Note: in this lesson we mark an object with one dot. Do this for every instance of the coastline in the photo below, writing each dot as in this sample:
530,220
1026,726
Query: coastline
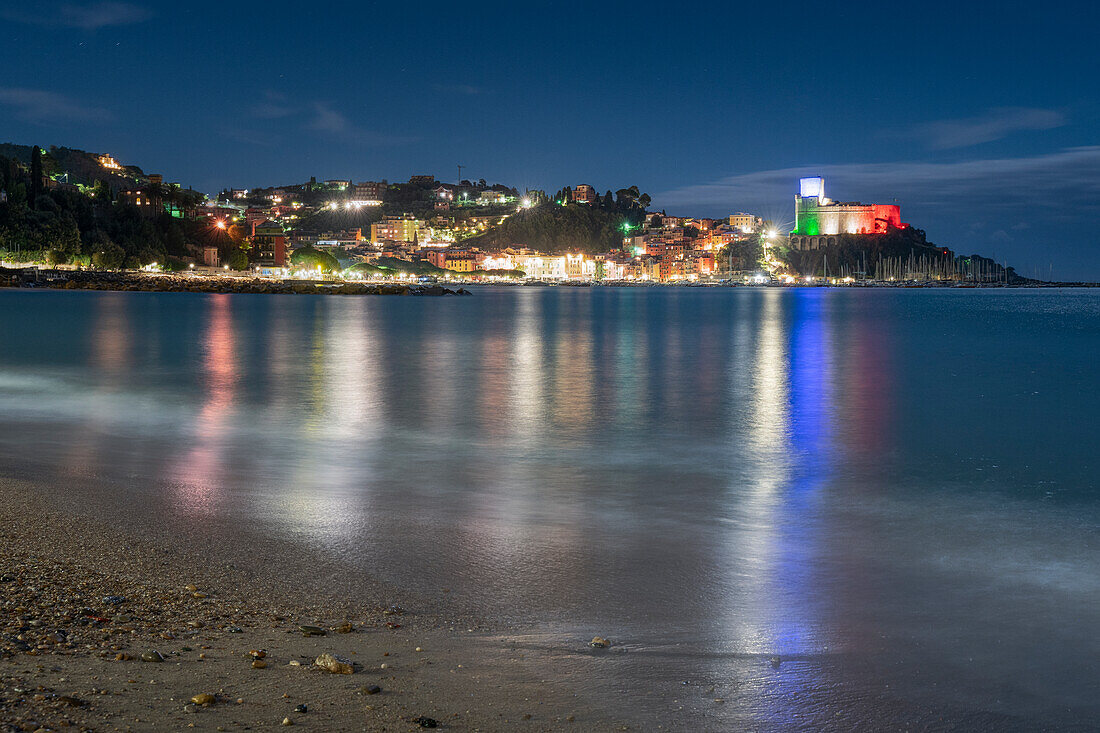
144,282
247,285
83,602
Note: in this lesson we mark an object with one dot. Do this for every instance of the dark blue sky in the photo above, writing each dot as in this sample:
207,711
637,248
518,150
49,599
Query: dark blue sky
982,120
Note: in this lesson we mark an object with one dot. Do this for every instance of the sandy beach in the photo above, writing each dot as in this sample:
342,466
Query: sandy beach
107,631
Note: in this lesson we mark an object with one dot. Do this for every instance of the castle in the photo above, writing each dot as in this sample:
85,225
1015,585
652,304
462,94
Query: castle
817,219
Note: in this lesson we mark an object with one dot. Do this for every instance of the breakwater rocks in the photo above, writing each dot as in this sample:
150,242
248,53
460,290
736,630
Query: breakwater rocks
228,284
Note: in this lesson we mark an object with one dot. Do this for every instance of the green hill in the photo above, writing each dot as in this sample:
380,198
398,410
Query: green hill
557,230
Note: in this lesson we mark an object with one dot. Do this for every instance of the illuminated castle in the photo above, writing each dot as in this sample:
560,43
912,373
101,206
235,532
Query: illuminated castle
817,219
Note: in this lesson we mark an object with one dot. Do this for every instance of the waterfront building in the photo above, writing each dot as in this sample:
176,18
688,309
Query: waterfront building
541,267
579,267
268,245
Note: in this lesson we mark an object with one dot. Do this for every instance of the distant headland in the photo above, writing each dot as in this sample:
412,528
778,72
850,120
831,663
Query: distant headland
75,211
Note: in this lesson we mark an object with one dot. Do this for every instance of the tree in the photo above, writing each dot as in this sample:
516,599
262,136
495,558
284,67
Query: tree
36,175
101,191
106,255
314,259
237,260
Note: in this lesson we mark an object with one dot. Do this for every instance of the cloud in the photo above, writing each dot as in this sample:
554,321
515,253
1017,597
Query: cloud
327,119
970,206
1067,181
994,125
42,107
333,123
275,107
86,16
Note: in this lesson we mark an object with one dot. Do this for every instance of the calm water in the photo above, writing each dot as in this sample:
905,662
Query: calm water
895,491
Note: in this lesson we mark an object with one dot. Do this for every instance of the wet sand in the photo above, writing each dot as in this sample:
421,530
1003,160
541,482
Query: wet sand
84,606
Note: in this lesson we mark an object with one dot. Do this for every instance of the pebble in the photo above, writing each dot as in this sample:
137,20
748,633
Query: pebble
152,656
418,649
203,698
312,630
190,708
301,709
371,690
258,664
425,722
258,653
294,663
288,721
598,642
345,628
334,664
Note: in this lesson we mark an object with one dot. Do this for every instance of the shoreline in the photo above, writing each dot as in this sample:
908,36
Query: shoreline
247,284
85,606
143,282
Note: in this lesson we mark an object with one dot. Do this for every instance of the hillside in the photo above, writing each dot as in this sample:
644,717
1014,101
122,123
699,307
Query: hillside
83,168
557,230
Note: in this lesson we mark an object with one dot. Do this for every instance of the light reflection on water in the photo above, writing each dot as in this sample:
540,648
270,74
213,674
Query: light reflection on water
729,475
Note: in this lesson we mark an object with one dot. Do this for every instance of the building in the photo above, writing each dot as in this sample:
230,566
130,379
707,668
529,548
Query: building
369,193
395,229
747,223
109,163
268,245
817,219
210,256
541,267
143,198
492,198
338,185
584,194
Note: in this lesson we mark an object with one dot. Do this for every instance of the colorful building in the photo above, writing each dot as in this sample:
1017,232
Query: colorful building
395,229
268,245
819,219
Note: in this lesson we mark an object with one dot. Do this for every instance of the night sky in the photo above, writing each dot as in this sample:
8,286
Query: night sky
981,120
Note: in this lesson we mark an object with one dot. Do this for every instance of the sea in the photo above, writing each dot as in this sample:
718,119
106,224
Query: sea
828,508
